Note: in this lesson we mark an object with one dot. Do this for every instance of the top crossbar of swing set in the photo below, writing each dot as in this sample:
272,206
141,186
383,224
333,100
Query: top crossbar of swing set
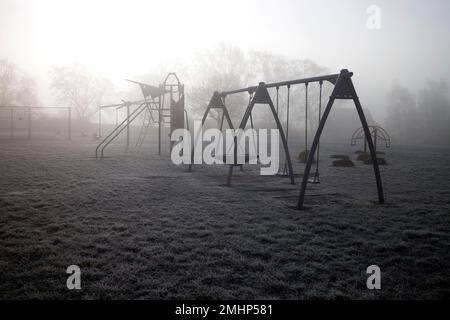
331,78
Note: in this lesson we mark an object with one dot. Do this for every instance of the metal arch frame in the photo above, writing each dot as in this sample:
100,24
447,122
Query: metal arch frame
29,108
216,102
359,134
343,89
261,96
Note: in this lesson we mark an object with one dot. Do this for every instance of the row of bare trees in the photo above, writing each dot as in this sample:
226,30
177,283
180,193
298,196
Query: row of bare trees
16,87
223,68
412,117
228,67
421,117
73,86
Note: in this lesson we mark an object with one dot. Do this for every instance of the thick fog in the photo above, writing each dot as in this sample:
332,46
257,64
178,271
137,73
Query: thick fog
50,51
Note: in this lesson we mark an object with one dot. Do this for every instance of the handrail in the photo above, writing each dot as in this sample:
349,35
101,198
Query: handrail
117,128
120,131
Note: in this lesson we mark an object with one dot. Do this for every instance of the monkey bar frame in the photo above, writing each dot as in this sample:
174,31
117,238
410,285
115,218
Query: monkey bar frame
174,89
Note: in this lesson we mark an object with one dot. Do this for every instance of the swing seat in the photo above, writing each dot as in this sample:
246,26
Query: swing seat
246,161
314,180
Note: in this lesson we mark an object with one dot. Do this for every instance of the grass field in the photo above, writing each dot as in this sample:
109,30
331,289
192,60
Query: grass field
140,227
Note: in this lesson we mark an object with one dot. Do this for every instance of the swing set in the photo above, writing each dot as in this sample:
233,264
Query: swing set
259,95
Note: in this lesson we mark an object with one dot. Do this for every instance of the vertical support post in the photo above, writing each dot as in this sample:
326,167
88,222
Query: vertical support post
285,168
128,125
69,125
161,89
29,123
99,121
306,119
12,123
196,135
288,112
171,115
375,138
278,89
365,144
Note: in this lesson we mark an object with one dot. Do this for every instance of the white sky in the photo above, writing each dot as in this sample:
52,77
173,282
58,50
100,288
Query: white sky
121,38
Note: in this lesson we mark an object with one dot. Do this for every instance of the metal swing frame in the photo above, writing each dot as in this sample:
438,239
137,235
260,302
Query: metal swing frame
216,103
343,89
260,96
377,132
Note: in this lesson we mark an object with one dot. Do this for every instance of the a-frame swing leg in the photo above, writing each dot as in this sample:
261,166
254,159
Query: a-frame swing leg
262,97
215,103
310,155
196,136
370,143
343,89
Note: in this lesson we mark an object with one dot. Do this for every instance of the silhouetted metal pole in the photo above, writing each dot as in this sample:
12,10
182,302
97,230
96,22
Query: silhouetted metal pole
375,138
29,123
128,125
99,121
306,120
159,121
69,123
12,122
332,78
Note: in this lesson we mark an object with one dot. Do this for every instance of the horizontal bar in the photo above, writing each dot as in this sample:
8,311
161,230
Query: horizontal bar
32,107
330,77
124,104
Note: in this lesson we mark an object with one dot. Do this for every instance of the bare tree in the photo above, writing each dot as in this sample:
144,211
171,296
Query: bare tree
26,91
8,78
434,109
220,69
227,67
420,118
16,87
75,86
401,106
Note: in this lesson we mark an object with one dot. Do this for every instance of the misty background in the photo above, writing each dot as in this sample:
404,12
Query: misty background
78,53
